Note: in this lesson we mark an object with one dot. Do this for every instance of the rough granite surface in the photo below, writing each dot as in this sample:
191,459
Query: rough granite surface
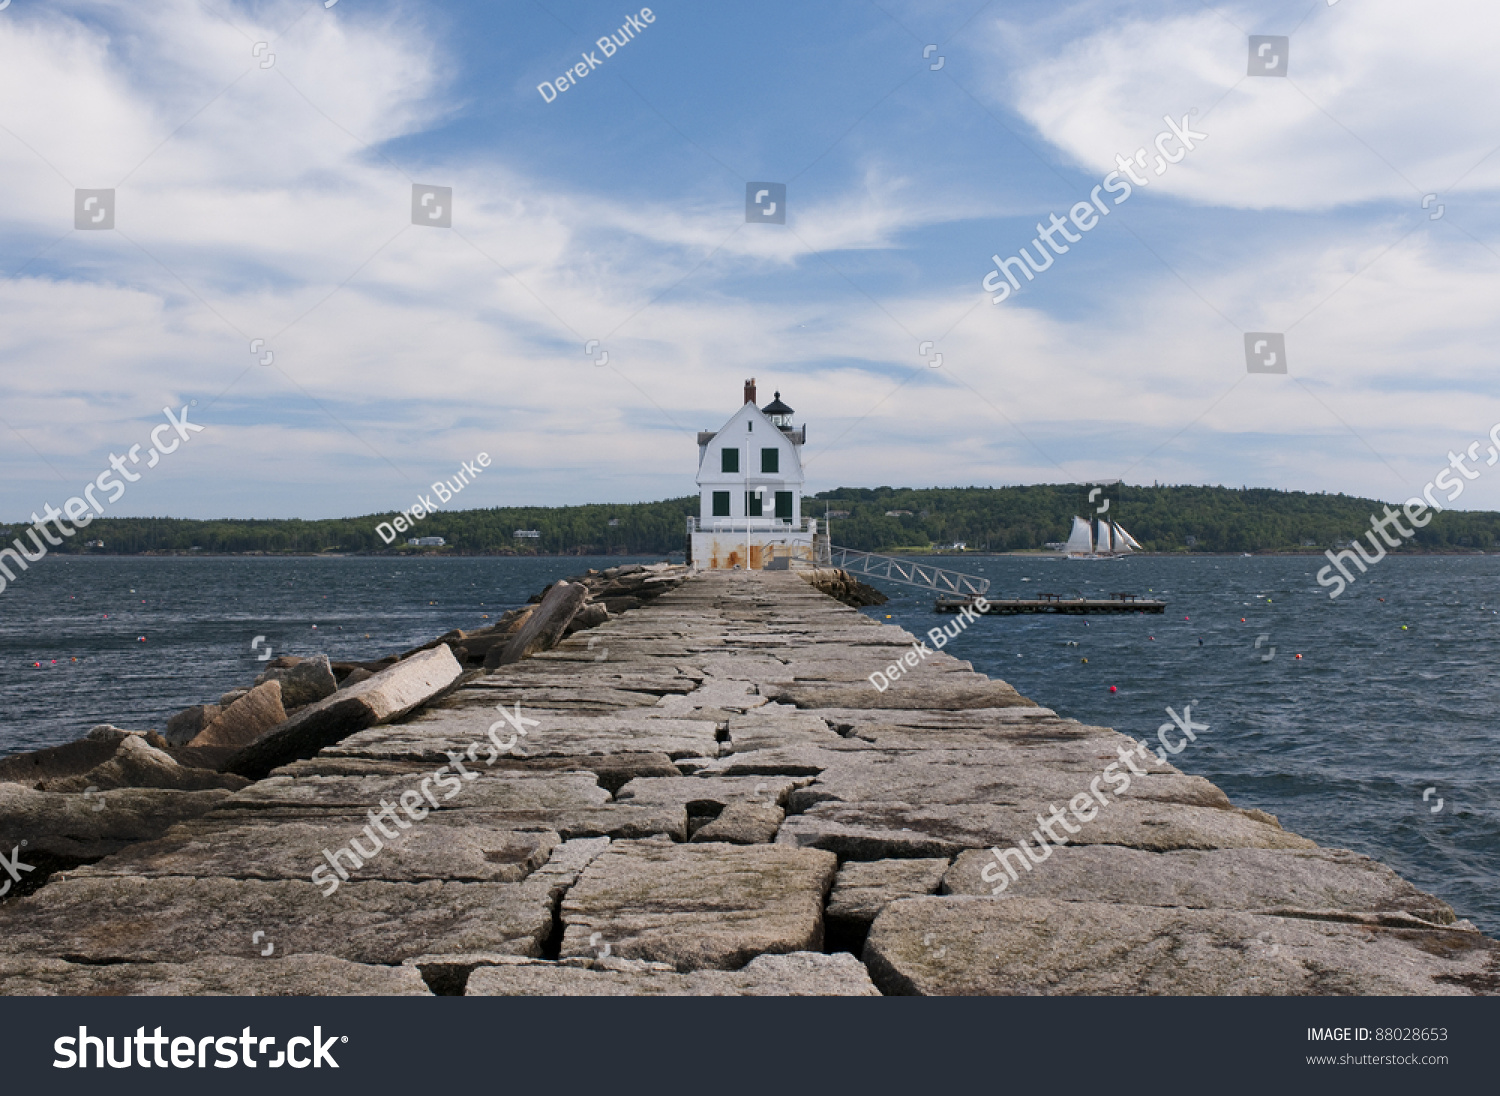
703,795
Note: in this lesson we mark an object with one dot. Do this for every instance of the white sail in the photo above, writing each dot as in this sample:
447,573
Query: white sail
1081,540
1124,541
1103,543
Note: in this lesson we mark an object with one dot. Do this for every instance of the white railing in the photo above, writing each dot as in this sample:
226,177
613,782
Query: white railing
751,525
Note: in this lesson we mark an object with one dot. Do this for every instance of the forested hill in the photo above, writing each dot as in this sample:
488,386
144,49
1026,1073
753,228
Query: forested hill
1219,519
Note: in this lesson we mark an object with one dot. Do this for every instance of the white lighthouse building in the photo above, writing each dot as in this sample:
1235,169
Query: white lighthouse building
750,491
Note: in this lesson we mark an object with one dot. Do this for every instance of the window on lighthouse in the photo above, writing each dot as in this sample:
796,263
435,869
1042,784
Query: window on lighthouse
770,460
729,460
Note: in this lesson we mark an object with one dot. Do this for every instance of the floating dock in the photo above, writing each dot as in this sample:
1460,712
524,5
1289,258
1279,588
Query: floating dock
1052,603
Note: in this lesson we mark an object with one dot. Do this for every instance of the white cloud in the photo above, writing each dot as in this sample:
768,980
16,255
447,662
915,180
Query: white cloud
1414,89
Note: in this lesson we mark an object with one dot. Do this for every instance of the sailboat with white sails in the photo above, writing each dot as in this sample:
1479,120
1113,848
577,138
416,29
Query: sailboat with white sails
1101,539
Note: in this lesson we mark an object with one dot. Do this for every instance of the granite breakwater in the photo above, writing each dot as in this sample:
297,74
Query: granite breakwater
709,797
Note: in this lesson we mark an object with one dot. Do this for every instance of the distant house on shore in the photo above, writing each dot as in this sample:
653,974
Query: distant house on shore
426,542
529,534
898,513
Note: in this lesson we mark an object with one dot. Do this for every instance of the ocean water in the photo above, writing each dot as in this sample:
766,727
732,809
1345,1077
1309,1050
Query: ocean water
134,640
1395,691
1340,744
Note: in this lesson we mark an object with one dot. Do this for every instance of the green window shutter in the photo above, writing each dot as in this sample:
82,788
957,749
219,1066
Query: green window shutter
721,504
770,460
752,504
784,505
730,459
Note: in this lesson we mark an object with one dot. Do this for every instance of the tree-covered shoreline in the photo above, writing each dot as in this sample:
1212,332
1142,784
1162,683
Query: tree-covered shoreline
997,519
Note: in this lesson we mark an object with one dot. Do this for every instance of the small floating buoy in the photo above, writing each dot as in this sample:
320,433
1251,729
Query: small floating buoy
1187,618
1113,689
1403,627
315,627
141,639
1242,620
1296,656
1151,638
1085,660
1200,643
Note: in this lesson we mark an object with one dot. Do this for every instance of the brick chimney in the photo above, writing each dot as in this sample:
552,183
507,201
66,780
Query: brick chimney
750,390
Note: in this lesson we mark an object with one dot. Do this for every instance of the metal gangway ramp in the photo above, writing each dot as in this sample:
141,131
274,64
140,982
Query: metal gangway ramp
908,571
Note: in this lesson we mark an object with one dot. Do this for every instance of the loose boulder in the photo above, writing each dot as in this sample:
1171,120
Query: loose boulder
187,724
307,682
544,627
386,696
249,717
138,764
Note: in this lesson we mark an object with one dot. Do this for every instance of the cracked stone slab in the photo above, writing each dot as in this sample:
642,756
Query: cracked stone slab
492,791
448,846
80,827
962,945
705,906
989,777
718,693
785,760
763,729
717,791
558,734
743,823
932,690
745,667
165,919
799,974
1243,879
878,831
612,771
615,820
294,976
862,890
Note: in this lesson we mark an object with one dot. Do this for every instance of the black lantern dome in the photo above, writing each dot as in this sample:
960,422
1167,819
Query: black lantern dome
778,412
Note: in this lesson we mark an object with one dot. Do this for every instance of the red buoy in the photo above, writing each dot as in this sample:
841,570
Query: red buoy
1112,688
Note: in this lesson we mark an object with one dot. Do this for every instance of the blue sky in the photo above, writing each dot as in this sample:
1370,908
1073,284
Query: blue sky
273,202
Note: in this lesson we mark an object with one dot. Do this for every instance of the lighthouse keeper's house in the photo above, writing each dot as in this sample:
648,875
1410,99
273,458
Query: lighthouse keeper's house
750,486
